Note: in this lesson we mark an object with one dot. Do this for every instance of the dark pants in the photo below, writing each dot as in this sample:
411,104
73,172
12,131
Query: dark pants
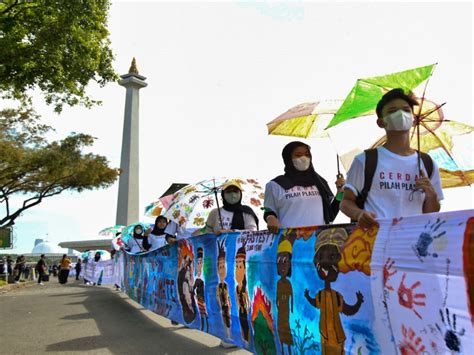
78,272
40,276
20,271
63,275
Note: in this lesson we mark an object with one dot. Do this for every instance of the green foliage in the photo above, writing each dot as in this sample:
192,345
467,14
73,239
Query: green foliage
31,166
264,339
57,46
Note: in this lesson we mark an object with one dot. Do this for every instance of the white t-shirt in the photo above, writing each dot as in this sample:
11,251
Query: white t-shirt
156,241
135,245
179,232
297,207
213,223
391,193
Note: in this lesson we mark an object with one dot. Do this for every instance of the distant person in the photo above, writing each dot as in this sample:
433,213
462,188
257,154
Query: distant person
54,270
19,267
112,256
41,268
135,243
64,266
97,258
233,215
78,268
9,265
26,273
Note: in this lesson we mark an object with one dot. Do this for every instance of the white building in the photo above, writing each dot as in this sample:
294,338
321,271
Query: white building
51,251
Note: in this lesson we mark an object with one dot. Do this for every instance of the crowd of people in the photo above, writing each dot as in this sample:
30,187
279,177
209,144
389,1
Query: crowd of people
22,270
393,180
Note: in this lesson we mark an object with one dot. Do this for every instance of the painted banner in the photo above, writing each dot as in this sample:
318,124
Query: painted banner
404,287
101,272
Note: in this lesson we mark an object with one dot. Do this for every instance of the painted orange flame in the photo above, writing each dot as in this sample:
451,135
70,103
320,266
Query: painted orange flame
262,304
185,249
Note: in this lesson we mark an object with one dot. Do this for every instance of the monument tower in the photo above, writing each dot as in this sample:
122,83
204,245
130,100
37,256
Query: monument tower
127,205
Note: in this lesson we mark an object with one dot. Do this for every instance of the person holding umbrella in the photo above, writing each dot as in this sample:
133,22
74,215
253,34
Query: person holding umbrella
300,197
233,215
393,180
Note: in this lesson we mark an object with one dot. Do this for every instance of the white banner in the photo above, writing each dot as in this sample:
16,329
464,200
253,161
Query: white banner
101,272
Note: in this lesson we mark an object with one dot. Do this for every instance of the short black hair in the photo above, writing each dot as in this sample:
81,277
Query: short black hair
392,95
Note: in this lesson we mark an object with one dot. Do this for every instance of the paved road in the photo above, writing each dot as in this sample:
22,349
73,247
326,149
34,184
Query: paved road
75,318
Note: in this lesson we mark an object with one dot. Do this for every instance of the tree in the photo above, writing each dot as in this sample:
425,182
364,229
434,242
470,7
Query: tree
37,169
57,46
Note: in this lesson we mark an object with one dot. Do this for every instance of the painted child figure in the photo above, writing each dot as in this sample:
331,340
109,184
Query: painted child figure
328,301
199,290
241,293
284,297
222,288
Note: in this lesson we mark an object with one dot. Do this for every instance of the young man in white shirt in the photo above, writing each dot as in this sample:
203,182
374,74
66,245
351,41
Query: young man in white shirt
399,187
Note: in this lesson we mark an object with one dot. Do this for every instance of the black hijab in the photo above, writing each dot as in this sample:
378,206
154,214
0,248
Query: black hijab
309,177
156,230
239,210
136,235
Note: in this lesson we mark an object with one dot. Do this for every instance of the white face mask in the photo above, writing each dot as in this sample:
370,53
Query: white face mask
301,163
398,121
138,231
232,197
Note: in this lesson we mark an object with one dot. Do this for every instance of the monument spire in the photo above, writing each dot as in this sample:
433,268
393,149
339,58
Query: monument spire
128,195
133,67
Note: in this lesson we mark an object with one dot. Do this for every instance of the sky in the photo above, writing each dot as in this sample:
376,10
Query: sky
217,72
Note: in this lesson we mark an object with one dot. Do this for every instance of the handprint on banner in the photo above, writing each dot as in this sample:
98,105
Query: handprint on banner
407,297
412,344
388,273
427,237
451,334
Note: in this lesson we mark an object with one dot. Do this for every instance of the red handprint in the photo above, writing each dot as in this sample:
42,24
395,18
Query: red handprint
408,298
387,273
412,344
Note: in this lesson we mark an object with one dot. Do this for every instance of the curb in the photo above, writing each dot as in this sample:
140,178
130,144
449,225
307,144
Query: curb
9,287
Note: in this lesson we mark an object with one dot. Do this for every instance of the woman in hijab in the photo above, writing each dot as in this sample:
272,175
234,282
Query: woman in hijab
233,215
64,269
300,197
157,237
138,240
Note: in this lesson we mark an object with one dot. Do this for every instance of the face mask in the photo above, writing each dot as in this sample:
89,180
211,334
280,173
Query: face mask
138,231
232,197
301,163
398,121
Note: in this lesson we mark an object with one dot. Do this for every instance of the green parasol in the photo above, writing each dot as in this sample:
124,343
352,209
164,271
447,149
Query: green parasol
367,92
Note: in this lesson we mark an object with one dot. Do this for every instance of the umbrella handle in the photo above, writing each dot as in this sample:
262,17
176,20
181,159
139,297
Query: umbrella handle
338,169
218,208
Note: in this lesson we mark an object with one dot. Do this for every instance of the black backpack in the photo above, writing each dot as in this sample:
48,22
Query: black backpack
371,158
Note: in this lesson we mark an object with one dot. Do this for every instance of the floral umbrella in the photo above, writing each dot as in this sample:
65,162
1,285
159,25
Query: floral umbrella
191,205
154,209
158,207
